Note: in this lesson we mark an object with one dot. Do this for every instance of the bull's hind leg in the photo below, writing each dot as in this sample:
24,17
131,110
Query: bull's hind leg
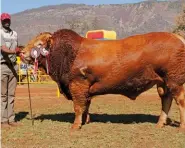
176,92
79,90
166,100
180,100
86,113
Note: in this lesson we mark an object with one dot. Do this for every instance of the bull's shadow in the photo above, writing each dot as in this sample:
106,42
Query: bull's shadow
20,116
103,118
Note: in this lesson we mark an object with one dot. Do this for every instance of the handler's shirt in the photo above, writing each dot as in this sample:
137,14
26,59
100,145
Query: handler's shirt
8,39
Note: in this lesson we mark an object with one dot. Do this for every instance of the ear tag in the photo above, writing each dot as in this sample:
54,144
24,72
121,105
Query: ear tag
44,52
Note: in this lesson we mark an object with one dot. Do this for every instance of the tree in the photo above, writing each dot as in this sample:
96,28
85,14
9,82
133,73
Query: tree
95,24
180,21
74,24
85,27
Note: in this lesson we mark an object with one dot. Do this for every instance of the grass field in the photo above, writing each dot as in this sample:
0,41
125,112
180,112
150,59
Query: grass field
117,122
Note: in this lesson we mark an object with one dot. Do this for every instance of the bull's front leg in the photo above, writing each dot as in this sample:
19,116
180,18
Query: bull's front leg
79,91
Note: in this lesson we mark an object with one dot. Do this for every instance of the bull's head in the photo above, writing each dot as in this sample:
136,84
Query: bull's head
40,43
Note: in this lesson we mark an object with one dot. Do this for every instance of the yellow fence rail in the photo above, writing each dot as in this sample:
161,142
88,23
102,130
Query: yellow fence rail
34,78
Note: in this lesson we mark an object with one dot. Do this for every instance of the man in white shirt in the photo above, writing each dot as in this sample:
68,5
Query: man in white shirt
9,70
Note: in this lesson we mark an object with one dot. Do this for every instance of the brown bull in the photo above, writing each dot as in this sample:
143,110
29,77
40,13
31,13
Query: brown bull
84,68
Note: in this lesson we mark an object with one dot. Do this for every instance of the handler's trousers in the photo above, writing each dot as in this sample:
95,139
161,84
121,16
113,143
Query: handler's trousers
8,87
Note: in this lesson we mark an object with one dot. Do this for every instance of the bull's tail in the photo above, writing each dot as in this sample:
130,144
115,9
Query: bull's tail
182,39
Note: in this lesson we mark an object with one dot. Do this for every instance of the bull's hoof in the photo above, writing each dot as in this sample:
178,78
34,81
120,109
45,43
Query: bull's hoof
87,122
160,125
182,126
76,126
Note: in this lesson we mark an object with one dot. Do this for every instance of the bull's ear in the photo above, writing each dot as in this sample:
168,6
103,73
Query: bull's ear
50,42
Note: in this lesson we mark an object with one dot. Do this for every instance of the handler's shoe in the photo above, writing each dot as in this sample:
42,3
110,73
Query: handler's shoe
5,125
14,124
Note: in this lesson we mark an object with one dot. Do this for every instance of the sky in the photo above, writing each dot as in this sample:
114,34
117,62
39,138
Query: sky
15,6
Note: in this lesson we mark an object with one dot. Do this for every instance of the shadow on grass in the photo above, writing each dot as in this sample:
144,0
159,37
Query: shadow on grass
20,115
102,118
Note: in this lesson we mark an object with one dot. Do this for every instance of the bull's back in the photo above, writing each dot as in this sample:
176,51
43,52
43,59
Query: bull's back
130,52
128,56
104,58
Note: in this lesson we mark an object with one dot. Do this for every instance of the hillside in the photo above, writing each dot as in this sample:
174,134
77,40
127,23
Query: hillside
125,19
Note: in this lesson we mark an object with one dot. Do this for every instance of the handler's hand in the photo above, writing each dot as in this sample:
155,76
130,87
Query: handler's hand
18,51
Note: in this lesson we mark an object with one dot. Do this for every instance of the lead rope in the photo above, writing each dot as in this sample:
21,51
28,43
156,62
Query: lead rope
35,65
47,63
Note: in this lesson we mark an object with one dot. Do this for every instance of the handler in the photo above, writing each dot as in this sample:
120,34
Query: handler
9,70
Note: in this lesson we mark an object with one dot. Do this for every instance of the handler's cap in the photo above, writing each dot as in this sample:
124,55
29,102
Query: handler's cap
5,16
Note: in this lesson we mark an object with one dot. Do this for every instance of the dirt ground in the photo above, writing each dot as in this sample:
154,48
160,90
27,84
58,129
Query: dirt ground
117,122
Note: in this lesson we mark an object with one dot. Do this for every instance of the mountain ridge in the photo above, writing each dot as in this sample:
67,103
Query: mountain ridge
125,19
